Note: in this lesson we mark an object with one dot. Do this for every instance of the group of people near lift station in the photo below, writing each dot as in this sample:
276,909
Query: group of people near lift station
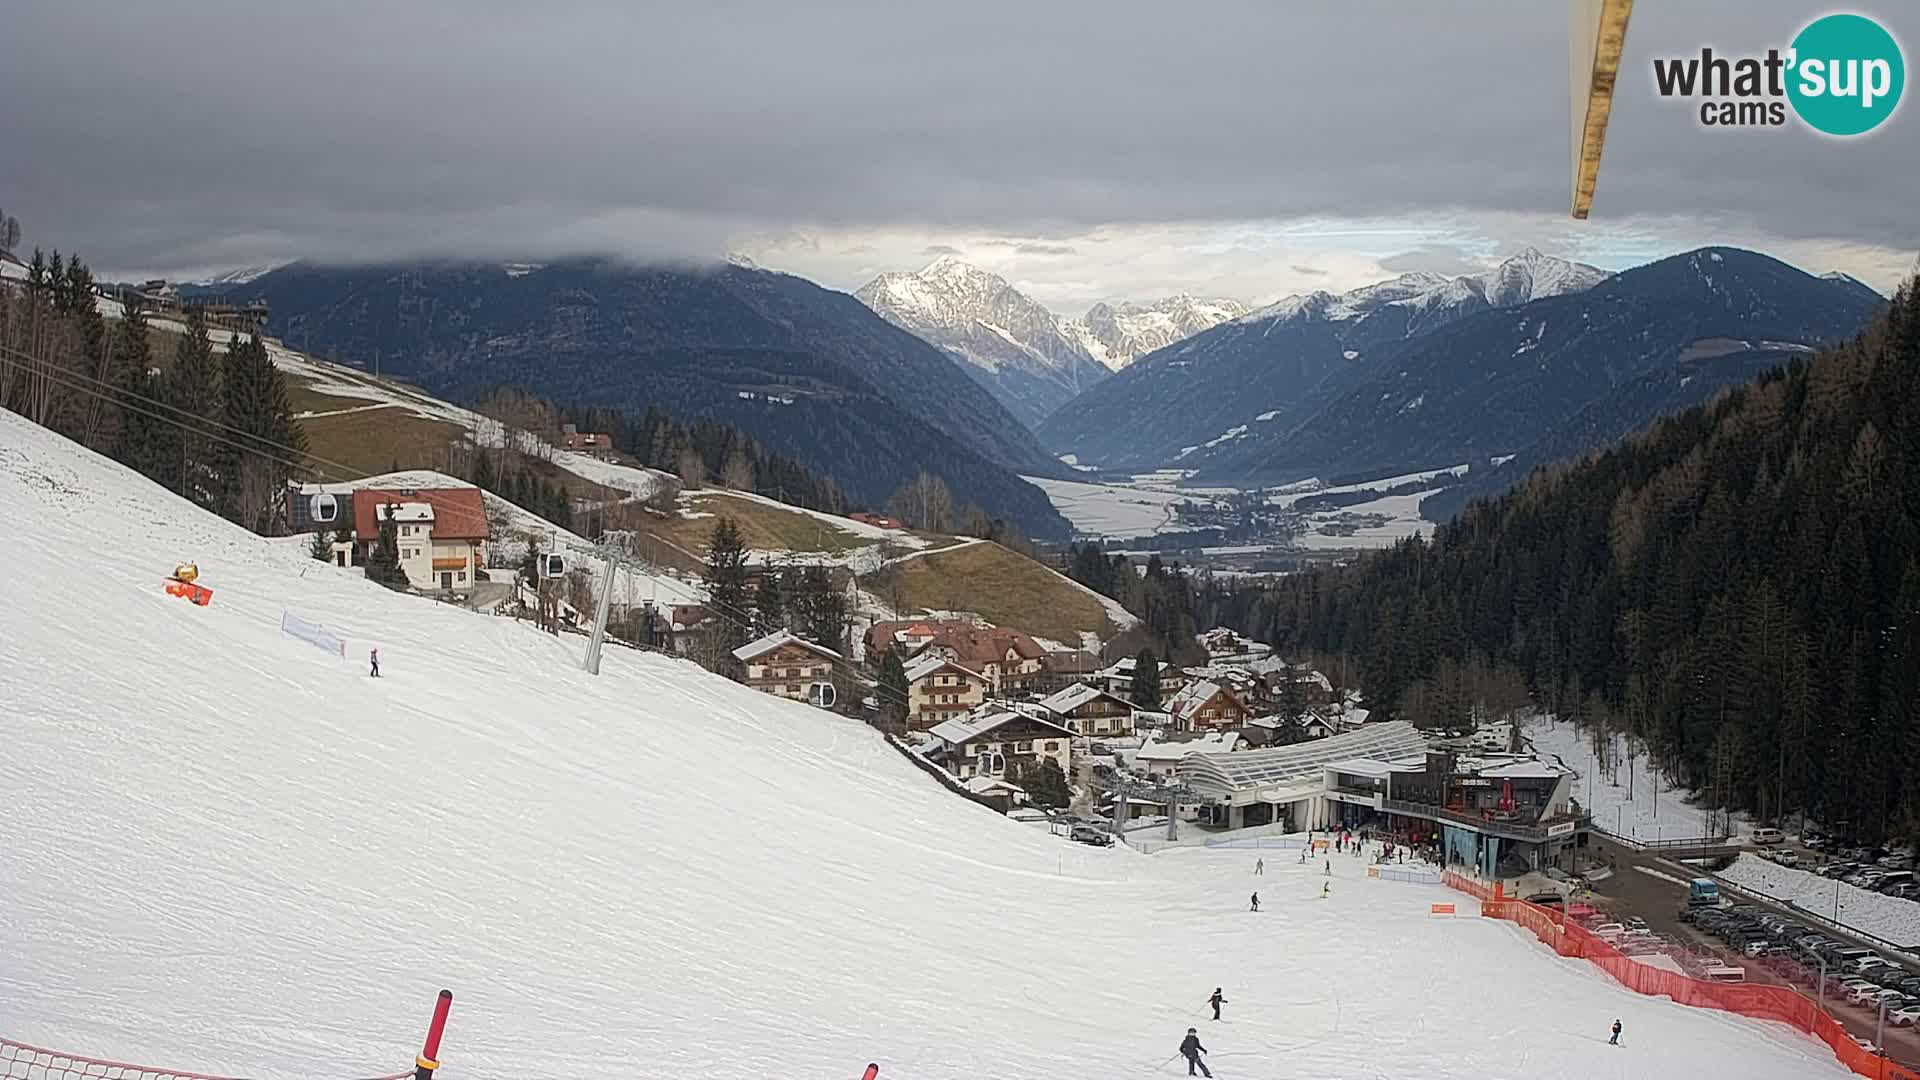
1343,842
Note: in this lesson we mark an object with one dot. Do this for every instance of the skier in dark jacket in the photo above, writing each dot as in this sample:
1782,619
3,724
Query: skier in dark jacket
1191,1049
1615,1041
1218,999
1256,907
375,657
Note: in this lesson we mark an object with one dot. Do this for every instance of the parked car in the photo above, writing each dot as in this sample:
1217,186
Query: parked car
1889,976
1089,834
1856,990
1768,835
1904,1017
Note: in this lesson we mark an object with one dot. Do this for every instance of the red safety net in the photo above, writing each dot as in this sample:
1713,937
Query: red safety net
1761,1002
18,1061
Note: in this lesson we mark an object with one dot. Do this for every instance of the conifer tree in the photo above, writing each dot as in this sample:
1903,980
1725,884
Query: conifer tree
726,581
892,691
193,392
260,438
1146,680
823,609
140,439
383,561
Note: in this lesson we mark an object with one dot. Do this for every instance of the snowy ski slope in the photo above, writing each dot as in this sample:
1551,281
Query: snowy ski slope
223,849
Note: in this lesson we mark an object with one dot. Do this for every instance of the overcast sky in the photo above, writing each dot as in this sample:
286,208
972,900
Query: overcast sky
1087,151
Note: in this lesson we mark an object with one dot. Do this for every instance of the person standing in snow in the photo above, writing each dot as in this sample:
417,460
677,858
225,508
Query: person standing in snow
1218,999
1256,907
1326,889
1259,867
374,657
1329,867
1615,1041
1191,1049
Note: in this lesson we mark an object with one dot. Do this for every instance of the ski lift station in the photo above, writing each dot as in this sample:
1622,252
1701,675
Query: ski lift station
1504,813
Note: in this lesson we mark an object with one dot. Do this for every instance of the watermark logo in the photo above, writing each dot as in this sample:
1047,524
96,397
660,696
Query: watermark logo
1842,75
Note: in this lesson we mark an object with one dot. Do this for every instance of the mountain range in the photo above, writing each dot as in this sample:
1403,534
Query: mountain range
1550,377
1032,360
810,373
1213,387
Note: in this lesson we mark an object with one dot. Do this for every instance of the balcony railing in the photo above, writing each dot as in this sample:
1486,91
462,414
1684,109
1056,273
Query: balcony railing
1509,829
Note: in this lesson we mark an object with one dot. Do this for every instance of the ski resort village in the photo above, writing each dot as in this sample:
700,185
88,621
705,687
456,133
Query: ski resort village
524,713
958,542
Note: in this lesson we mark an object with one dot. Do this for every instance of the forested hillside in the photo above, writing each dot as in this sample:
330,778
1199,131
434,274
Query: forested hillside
1739,585
805,372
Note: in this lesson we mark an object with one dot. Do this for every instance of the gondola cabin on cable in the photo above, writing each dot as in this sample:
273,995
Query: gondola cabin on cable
789,666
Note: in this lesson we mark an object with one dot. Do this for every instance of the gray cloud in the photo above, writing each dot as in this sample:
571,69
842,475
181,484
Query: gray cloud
934,251
1035,247
1432,258
227,133
1309,271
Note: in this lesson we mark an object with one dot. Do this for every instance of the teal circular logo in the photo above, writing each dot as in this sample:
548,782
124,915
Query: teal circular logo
1847,74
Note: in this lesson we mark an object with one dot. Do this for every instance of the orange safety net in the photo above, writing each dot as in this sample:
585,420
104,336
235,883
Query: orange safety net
1760,1002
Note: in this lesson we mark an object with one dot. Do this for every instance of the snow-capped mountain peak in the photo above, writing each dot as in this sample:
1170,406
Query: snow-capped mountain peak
241,276
1117,334
1004,339
1531,275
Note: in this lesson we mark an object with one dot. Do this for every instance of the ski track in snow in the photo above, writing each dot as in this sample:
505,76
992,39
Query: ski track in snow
228,851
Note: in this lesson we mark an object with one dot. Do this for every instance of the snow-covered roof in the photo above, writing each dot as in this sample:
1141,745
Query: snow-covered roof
1374,767
1525,770
406,511
927,665
990,785
1072,697
1218,742
774,641
1255,768
1192,696
962,729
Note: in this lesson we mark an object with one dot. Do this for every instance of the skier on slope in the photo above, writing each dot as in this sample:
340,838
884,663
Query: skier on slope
1218,999
1259,866
1615,1041
1191,1049
1329,867
1256,907
1326,888
374,657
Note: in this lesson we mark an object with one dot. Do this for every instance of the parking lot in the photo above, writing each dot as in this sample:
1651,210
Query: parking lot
1771,943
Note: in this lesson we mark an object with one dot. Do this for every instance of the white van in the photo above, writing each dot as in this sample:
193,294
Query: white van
1768,836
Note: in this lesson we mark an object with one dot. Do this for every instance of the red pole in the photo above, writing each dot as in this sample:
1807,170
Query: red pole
872,1071
430,1053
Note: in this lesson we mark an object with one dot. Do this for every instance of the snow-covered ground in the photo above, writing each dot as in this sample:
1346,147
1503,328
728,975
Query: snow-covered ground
1111,510
1882,916
1627,802
229,851
1145,507
1403,521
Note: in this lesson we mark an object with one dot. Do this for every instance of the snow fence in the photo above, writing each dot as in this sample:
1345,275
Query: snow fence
313,633
18,1061
1760,1002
